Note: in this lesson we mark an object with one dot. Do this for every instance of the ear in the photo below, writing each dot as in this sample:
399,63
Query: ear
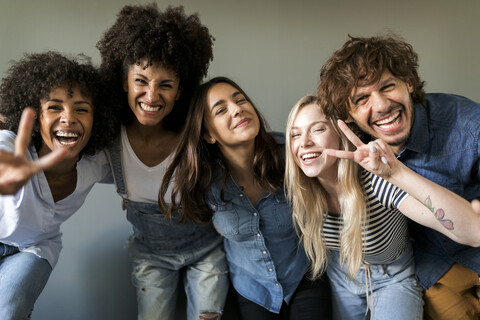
349,119
179,93
125,86
409,87
209,138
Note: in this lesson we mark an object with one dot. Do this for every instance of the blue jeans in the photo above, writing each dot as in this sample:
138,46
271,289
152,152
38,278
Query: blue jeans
23,276
395,293
156,277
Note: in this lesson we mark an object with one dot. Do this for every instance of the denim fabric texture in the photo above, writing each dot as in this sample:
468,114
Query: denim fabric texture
265,259
444,146
23,275
160,249
394,293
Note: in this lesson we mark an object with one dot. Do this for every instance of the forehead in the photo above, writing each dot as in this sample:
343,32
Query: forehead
308,114
68,92
220,91
155,70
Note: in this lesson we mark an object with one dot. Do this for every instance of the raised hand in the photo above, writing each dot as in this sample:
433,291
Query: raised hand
376,156
15,168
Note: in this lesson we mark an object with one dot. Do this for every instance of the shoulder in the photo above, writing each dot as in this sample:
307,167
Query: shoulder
279,137
7,138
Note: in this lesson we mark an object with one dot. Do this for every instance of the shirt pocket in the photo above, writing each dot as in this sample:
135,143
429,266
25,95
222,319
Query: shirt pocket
226,219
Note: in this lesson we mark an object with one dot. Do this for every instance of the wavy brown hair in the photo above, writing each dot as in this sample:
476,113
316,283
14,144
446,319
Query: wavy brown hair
33,77
360,62
171,38
195,162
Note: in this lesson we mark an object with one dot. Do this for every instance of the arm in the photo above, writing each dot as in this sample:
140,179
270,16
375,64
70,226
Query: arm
15,168
429,203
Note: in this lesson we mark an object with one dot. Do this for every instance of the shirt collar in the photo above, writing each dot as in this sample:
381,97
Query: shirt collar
419,134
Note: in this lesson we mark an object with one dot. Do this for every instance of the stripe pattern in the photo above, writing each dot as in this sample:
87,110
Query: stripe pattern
386,232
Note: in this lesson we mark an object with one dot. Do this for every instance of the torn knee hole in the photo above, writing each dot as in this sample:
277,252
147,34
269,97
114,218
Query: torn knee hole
209,316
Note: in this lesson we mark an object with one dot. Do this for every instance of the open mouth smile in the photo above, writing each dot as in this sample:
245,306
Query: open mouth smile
149,108
389,122
67,138
310,156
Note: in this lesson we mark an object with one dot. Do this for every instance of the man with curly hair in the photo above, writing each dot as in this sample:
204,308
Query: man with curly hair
153,61
373,84
45,182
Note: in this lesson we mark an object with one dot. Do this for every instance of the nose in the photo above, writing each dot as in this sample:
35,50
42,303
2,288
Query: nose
67,117
380,103
151,93
236,109
305,141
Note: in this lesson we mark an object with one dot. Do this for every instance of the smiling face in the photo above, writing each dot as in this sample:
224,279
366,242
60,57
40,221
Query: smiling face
230,118
66,120
384,110
310,134
152,92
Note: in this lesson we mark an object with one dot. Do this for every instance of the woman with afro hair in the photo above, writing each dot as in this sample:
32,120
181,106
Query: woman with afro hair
44,182
153,61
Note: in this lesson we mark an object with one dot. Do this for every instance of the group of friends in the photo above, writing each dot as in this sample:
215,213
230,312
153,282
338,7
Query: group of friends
366,208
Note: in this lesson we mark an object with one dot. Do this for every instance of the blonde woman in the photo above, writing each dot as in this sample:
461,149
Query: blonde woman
353,221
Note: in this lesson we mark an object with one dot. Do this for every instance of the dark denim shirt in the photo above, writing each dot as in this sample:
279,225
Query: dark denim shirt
264,256
444,147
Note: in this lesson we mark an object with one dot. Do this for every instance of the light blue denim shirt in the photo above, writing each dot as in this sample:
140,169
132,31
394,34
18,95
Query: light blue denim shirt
265,258
444,147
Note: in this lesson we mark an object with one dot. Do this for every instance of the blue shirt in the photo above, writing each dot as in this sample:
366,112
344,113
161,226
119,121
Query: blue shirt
265,258
444,147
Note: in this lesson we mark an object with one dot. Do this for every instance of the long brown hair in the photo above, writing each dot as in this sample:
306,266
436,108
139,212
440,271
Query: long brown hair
193,166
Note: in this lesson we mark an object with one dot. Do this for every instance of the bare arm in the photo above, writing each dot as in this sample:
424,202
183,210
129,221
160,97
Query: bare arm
429,203
15,168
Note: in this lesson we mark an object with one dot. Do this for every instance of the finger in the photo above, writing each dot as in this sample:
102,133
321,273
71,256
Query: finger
349,134
341,154
50,159
24,133
476,206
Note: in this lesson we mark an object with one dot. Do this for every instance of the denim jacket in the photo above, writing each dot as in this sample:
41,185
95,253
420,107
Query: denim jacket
444,147
265,258
150,228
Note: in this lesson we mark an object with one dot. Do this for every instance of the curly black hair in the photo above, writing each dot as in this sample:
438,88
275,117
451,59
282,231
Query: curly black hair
171,38
33,77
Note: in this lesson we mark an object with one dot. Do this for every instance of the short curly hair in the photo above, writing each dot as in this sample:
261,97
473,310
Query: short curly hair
362,61
171,38
33,77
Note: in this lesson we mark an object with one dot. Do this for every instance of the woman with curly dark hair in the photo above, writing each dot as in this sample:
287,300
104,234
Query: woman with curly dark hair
45,182
154,60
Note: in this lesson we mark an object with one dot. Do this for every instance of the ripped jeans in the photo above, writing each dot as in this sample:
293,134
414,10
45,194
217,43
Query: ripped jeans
156,277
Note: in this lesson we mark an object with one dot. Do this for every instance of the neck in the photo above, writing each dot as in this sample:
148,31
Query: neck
239,159
145,133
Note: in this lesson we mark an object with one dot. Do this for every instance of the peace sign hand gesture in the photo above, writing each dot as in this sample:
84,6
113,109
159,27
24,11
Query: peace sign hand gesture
15,168
376,156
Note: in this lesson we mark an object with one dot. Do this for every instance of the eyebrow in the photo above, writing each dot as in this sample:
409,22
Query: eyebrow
381,84
219,102
76,102
313,123
144,77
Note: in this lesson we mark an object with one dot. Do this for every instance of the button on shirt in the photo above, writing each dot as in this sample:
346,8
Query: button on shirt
265,258
444,147
30,219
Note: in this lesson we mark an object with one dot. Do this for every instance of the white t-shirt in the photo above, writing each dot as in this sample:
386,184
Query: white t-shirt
142,182
30,219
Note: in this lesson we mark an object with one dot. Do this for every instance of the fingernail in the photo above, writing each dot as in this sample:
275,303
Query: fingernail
384,160
373,149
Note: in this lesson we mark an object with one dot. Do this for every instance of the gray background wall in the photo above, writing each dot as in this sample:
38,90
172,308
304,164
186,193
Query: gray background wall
273,49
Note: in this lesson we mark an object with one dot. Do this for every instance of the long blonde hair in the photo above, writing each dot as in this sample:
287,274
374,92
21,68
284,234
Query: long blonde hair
307,198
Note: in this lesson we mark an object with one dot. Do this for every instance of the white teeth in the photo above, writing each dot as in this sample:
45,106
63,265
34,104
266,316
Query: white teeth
67,143
67,134
310,155
148,108
389,119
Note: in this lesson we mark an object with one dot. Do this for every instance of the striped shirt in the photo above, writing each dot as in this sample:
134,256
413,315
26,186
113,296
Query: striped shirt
386,233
